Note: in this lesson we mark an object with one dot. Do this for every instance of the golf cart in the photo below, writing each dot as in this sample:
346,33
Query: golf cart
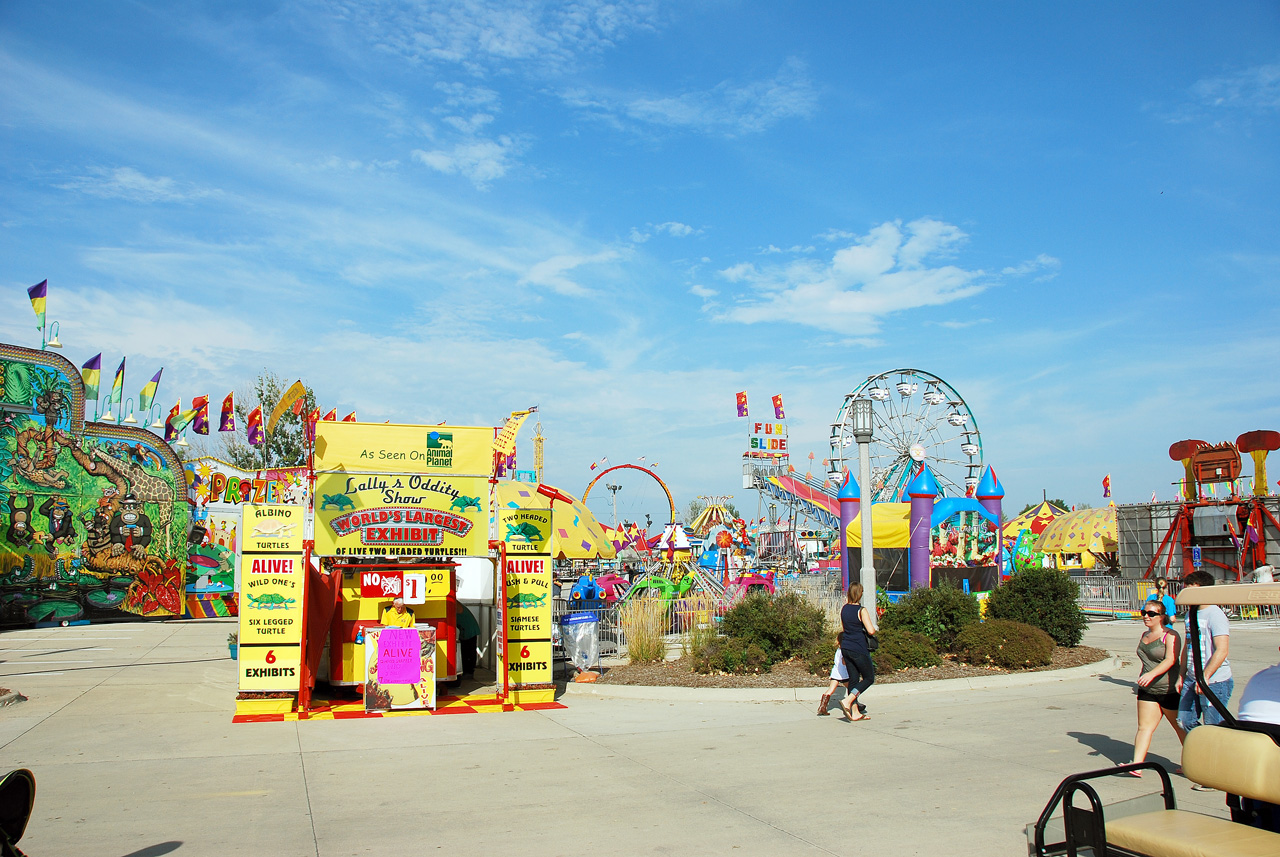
1239,758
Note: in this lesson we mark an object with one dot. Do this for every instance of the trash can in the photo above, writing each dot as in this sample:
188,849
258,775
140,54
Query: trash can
580,633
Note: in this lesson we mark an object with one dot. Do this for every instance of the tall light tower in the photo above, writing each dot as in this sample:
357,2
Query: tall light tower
863,424
614,489
537,451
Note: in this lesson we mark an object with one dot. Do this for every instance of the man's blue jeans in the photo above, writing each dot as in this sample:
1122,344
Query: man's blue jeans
1191,704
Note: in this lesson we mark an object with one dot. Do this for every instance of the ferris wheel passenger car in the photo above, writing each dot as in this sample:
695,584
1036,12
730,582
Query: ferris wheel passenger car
1239,758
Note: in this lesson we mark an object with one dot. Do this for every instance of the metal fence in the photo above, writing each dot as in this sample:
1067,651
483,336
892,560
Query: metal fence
1103,595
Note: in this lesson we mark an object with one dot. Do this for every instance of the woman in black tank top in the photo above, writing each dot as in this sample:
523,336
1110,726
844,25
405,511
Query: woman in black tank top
855,624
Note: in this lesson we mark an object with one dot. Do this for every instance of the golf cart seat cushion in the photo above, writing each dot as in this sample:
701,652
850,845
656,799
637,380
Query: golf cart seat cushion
1178,833
1233,761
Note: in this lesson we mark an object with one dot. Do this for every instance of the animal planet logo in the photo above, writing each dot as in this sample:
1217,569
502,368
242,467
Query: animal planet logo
400,525
438,453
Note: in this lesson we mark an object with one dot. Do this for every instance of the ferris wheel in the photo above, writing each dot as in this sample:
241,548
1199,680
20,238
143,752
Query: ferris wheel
919,418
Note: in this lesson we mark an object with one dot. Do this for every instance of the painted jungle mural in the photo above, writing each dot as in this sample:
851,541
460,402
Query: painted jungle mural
93,516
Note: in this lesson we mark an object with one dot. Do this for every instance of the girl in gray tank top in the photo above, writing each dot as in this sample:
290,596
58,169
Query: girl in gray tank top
1158,650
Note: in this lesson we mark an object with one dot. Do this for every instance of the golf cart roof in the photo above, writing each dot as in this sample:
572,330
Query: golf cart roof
1233,593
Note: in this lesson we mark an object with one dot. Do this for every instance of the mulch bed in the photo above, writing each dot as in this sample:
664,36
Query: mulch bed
793,673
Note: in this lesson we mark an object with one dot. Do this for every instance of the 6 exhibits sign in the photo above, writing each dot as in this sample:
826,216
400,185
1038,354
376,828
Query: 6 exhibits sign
407,515
380,448
270,650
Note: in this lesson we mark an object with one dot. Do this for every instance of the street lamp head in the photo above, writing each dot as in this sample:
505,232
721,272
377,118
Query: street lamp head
862,420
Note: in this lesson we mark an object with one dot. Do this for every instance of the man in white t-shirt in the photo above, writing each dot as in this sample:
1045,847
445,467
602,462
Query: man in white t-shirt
1215,639
1260,702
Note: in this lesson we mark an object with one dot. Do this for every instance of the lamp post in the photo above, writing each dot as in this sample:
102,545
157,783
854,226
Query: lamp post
614,489
863,424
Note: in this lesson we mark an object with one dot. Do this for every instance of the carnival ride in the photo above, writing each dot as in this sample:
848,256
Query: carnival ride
671,504
918,417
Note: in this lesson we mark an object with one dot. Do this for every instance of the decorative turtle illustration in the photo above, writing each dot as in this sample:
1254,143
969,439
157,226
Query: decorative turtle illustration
463,502
526,600
524,530
338,501
270,601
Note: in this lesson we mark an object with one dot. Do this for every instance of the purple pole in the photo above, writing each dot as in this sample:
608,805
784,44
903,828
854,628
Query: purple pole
923,491
850,500
990,494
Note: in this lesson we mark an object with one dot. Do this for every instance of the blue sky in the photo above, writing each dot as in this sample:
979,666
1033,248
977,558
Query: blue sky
625,214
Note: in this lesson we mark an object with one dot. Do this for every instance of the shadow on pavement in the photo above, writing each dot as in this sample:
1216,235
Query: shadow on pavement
155,850
1115,751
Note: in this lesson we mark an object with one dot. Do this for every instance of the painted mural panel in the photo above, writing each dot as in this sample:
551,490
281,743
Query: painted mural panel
94,516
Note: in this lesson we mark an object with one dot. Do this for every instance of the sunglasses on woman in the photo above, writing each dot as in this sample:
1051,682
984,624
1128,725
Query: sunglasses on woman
1152,613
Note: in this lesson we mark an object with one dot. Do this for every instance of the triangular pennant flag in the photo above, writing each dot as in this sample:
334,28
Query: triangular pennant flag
350,418
171,433
332,416
117,386
38,293
228,419
147,397
257,437
91,374
200,404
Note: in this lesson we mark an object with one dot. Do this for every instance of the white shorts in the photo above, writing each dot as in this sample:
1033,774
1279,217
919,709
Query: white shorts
838,671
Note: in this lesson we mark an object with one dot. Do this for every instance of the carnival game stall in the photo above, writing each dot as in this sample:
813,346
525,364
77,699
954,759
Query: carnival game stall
95,520
218,493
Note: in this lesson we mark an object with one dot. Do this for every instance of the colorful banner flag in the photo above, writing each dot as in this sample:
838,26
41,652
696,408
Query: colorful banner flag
147,397
228,420
257,437
1106,486
184,419
1153,496
331,417
742,403
171,433
778,413
295,392
200,405
37,293
91,374
593,466
117,387
350,418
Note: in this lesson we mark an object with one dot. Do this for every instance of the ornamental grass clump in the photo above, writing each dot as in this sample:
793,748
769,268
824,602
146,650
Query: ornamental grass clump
1005,644
644,625
939,613
1043,597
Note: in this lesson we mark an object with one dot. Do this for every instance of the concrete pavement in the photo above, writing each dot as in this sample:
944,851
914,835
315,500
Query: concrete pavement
128,731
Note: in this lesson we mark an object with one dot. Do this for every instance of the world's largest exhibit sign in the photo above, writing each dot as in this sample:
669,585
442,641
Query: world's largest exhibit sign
393,490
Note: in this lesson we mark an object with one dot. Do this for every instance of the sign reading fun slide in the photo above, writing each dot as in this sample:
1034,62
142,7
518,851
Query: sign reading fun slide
391,490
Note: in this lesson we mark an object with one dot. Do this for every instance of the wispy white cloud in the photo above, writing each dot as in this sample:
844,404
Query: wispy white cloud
129,184
885,271
552,273
1246,91
672,227
482,36
702,291
1046,266
732,108
794,248
480,160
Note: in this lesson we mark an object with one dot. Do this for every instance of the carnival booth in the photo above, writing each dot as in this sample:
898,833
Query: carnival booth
93,520
399,582
218,493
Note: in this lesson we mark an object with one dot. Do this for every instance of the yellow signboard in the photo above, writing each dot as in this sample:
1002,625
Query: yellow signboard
525,530
401,515
528,662
528,598
379,448
271,586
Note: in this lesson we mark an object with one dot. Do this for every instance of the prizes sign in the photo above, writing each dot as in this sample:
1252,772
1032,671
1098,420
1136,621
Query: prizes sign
401,515
369,448
270,650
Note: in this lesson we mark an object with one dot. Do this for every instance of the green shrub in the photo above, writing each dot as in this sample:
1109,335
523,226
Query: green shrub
901,649
939,613
731,655
820,654
1005,644
781,625
1043,597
